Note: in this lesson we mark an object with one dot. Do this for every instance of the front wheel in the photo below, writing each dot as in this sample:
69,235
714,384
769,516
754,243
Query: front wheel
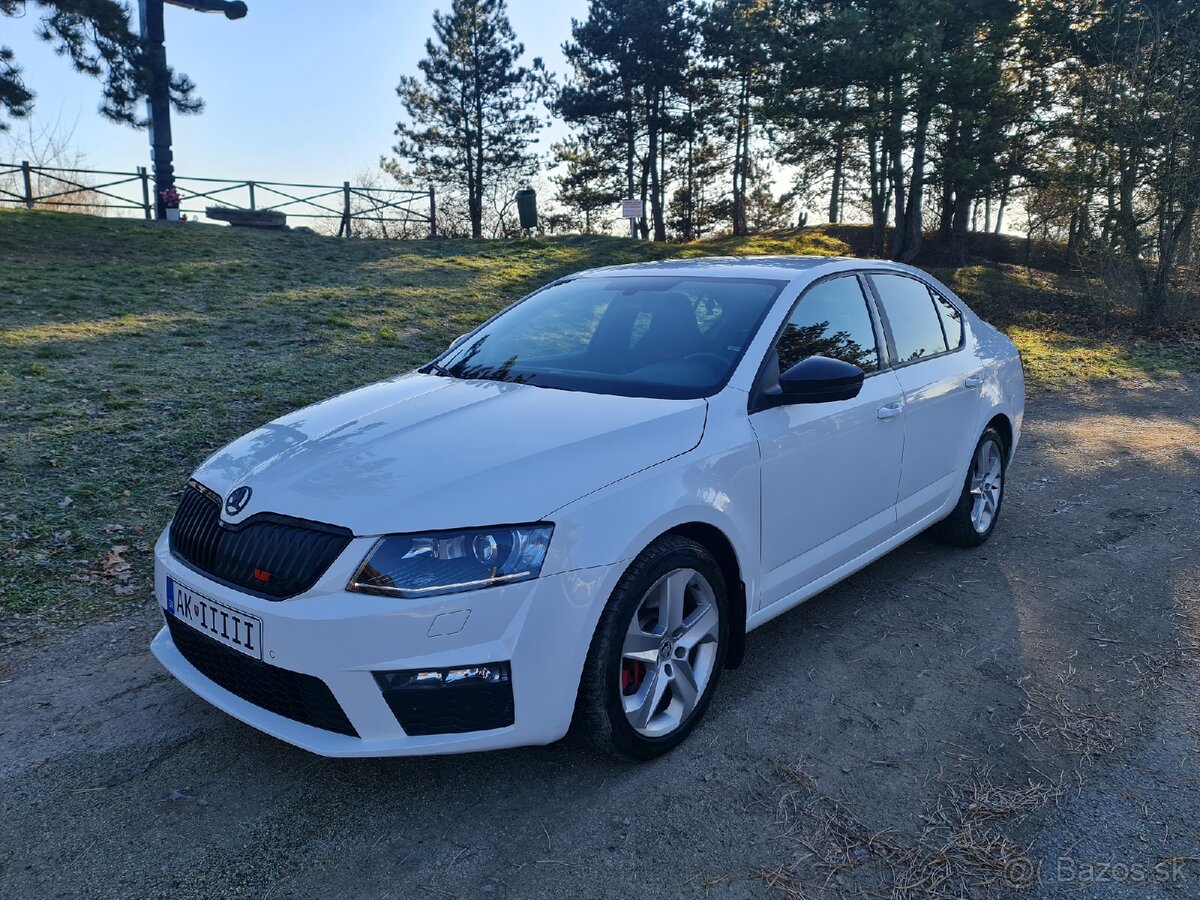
974,518
657,653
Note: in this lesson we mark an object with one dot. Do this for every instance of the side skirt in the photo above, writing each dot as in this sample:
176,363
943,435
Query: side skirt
810,590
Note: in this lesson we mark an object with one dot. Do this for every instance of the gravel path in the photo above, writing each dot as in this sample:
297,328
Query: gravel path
945,723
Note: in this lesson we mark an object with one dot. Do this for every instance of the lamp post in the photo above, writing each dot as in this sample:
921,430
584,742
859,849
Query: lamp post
158,104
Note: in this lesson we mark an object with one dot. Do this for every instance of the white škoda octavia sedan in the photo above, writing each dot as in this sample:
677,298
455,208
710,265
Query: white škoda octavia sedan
583,505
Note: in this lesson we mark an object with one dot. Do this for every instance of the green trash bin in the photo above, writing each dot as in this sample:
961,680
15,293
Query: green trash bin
527,207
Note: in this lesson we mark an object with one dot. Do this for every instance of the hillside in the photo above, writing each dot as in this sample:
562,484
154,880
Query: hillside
130,350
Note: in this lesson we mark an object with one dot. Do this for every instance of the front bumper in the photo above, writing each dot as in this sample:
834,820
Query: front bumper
542,628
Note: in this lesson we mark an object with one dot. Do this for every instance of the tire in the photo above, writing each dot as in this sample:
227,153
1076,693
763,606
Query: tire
967,525
645,668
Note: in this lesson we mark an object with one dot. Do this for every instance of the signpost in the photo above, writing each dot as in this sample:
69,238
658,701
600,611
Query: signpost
632,210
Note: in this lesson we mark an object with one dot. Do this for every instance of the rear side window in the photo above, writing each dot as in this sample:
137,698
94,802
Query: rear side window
912,315
831,320
951,320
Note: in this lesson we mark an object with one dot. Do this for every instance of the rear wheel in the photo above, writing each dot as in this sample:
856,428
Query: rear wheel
974,518
658,651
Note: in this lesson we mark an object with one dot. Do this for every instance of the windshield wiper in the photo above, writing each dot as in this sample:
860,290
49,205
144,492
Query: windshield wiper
438,369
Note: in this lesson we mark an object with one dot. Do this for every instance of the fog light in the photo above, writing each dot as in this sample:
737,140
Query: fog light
450,701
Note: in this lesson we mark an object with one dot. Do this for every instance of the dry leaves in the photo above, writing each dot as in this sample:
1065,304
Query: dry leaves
113,566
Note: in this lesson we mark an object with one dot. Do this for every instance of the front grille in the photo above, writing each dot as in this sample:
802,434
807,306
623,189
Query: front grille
269,555
301,698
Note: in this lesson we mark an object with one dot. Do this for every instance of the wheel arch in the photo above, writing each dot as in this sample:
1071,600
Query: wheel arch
1003,425
715,541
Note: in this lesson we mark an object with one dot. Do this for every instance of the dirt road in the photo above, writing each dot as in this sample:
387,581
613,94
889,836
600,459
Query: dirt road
947,722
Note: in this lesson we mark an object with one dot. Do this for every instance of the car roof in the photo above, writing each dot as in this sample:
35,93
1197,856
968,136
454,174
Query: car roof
774,267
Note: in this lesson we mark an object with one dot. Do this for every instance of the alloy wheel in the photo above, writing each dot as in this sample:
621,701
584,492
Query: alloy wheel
987,482
669,652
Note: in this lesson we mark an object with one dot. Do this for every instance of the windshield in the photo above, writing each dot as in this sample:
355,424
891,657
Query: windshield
637,336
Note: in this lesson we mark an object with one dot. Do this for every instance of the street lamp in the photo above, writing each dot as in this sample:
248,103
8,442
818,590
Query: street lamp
158,104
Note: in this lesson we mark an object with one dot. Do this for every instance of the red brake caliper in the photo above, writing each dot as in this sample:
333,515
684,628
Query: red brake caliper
632,671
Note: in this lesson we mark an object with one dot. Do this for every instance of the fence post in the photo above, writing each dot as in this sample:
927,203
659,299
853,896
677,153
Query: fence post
28,183
346,206
432,212
250,184
145,176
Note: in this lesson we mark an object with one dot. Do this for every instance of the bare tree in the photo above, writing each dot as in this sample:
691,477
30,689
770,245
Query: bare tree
50,145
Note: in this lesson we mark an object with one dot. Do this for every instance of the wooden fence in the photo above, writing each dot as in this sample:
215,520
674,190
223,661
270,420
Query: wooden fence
356,208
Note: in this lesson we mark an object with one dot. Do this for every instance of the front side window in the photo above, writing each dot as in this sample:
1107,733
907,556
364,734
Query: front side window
912,316
830,320
643,336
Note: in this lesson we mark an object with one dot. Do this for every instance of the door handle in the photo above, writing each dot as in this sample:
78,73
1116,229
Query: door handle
890,411
973,382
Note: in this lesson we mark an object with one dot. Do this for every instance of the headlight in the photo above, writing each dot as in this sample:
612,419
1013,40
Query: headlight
443,562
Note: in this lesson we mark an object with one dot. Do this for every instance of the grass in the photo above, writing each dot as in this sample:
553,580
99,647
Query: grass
1068,329
129,351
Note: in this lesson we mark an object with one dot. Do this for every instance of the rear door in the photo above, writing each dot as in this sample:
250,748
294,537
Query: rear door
829,471
940,379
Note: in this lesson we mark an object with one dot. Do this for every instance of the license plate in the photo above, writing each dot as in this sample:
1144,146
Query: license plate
235,629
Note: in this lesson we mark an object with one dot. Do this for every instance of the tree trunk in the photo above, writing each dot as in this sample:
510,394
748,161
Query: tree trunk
896,167
1183,211
958,232
630,148
643,223
1073,237
656,212
839,164
741,160
909,237
475,193
1004,189
689,206
835,190
946,210
879,189
1187,241
738,225
664,155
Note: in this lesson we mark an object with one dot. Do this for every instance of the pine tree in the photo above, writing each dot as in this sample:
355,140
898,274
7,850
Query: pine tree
868,74
98,37
629,63
469,117
736,37
701,158
590,182
1128,103
980,108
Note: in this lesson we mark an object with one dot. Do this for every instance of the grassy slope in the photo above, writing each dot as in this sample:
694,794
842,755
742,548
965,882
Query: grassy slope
129,351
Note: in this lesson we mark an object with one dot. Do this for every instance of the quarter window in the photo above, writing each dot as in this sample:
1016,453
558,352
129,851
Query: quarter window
951,320
912,316
831,320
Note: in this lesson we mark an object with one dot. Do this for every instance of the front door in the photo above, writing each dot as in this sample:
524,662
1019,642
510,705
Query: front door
830,471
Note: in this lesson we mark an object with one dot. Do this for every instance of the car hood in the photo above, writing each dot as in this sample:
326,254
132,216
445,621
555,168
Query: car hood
422,452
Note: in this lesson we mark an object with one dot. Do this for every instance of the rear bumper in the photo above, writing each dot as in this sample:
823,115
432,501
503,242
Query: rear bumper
542,628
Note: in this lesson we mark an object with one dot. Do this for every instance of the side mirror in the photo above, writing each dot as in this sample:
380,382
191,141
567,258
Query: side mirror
458,340
818,379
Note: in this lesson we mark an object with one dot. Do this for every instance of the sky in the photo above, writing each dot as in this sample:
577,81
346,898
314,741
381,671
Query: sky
298,90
